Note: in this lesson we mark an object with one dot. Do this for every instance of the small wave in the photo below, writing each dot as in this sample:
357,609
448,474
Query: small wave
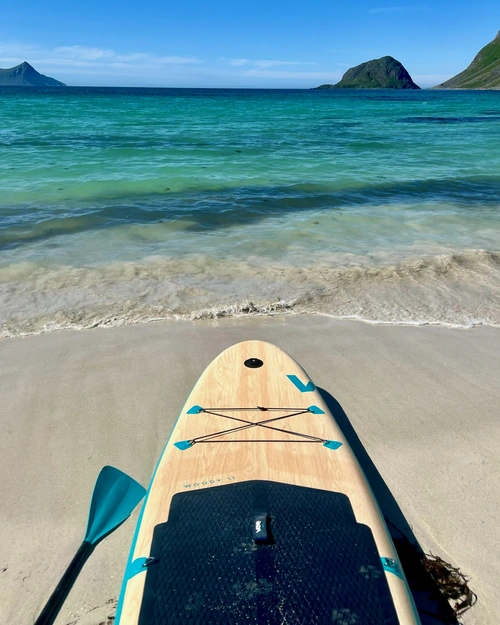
242,309
476,119
459,289
447,266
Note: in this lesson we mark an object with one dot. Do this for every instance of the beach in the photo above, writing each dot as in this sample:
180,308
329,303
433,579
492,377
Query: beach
422,402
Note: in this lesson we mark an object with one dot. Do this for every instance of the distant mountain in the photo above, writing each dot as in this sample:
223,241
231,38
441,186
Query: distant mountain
384,73
25,75
482,73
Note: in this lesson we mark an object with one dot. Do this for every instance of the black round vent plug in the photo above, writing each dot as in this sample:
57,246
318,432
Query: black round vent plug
253,363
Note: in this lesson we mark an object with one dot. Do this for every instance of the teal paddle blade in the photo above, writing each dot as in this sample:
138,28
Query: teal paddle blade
113,500
115,496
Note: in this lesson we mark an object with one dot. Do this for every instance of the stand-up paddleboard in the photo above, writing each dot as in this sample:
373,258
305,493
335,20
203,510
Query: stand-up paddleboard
258,511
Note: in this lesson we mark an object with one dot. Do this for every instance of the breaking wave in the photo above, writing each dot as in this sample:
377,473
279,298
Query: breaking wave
455,289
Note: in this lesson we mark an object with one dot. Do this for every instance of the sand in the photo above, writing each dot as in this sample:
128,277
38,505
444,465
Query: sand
423,401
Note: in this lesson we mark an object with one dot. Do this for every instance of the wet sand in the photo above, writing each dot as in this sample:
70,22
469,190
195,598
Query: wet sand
423,402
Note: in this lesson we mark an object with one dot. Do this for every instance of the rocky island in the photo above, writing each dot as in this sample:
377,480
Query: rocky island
24,75
482,73
384,73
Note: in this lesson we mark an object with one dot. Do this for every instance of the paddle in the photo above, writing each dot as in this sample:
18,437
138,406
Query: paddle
115,496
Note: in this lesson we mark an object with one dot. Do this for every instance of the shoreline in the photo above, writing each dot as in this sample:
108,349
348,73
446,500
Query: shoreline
243,311
422,401
456,289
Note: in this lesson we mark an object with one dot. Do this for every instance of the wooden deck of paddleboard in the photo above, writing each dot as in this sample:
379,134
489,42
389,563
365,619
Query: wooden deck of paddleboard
257,453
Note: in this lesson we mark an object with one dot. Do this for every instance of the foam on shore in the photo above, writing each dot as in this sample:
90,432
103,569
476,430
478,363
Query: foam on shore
454,289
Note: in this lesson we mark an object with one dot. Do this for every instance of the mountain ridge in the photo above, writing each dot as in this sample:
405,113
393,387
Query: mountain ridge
25,75
482,73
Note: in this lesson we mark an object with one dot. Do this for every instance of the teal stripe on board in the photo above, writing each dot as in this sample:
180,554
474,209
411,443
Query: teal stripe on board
303,388
132,564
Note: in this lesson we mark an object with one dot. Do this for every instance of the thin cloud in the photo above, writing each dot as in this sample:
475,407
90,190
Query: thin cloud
83,53
264,64
84,65
238,62
409,8
67,57
313,76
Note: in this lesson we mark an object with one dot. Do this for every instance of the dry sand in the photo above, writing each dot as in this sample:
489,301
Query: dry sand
423,401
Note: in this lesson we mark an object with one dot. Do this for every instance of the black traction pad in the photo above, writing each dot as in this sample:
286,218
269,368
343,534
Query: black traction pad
319,566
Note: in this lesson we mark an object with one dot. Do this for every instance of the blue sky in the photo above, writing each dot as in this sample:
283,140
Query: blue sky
241,43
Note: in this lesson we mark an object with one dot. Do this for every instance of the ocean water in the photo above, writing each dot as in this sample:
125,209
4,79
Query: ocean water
126,205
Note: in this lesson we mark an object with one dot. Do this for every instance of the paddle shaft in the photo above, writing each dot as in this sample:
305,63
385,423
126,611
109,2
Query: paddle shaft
54,604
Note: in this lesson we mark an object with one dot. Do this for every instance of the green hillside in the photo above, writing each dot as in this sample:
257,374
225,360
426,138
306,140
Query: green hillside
482,73
384,73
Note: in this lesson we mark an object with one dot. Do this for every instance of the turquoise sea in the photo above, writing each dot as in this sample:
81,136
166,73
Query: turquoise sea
126,205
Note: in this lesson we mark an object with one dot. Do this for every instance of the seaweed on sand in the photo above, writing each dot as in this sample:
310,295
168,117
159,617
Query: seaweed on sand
452,583
440,590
